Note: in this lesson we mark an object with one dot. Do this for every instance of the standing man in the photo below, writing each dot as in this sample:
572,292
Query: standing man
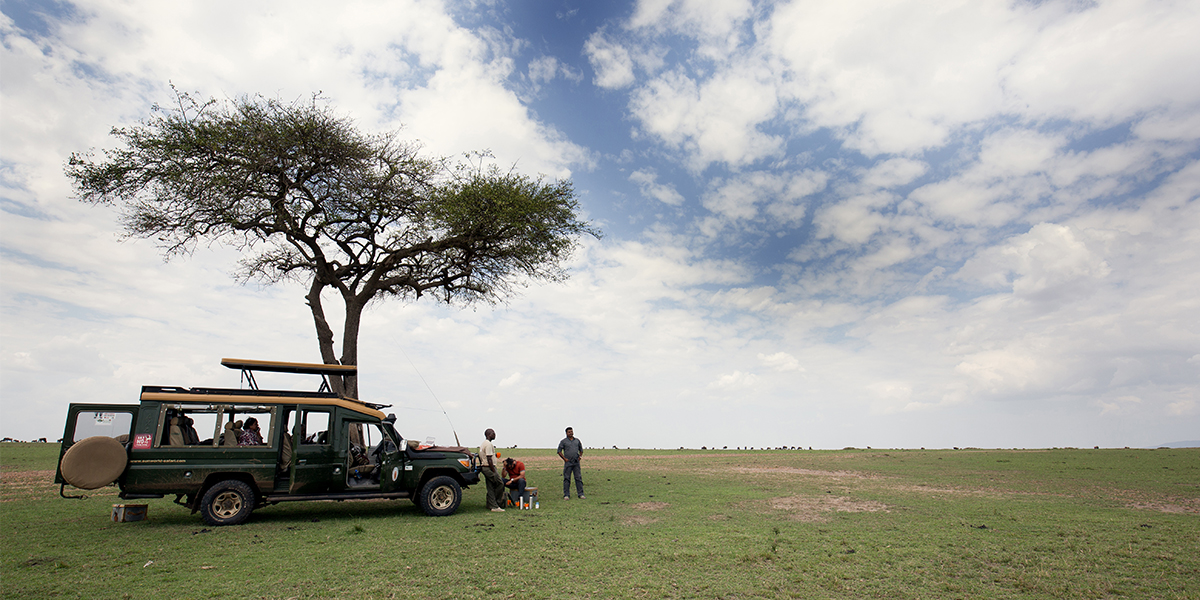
570,450
495,485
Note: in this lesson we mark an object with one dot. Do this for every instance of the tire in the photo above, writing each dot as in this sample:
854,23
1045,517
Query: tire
227,503
440,496
94,462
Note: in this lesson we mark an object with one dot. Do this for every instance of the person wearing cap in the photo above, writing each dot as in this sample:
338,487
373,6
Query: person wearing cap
570,450
495,485
514,475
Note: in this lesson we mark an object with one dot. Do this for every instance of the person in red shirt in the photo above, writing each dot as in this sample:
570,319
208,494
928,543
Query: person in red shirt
514,473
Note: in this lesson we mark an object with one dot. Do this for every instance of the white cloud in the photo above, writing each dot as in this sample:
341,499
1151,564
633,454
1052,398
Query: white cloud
904,77
647,182
1183,408
543,69
736,380
894,172
612,62
854,221
1118,405
1048,262
781,361
717,24
711,121
511,380
779,193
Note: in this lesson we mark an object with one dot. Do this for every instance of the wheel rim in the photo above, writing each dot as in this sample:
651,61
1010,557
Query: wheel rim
442,498
227,504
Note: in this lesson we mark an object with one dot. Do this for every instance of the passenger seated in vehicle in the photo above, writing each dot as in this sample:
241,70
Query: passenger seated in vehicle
229,438
251,435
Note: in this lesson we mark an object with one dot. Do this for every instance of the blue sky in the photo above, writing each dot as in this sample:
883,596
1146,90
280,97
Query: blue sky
827,224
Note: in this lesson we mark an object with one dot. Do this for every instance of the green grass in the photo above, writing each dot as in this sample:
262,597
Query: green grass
656,524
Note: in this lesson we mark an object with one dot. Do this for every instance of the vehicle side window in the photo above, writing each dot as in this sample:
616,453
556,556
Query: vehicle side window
365,440
110,424
261,418
204,425
316,427
185,425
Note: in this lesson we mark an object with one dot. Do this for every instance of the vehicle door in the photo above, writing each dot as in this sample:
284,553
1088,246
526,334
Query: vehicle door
88,420
373,460
392,463
317,466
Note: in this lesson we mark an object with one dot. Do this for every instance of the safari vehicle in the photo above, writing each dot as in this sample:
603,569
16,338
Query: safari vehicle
314,446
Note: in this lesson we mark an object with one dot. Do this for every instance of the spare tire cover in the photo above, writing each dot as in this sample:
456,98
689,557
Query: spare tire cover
93,462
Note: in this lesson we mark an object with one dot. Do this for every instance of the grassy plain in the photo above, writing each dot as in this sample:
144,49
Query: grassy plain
1060,523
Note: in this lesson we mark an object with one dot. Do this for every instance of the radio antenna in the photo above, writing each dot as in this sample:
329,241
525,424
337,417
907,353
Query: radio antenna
439,402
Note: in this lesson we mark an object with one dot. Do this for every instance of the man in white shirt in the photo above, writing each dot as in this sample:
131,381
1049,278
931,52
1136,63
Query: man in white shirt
495,485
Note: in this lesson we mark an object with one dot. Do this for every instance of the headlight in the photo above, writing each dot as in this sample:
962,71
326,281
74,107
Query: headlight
466,462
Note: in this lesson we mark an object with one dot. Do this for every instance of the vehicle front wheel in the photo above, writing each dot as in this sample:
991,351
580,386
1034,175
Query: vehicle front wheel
227,503
440,496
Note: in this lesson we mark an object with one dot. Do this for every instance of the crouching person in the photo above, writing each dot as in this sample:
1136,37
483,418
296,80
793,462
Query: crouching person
514,475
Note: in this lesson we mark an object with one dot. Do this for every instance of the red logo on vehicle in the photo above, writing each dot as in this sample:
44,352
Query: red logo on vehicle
141,441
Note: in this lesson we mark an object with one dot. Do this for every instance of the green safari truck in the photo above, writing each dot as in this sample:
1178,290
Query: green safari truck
224,452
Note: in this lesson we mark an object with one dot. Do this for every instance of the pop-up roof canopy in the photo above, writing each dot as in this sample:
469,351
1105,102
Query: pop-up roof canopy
289,367
248,367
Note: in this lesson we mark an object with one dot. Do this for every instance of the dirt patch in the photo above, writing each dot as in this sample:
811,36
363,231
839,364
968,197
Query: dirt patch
1185,507
818,508
23,486
27,478
806,472
926,489
651,505
637,520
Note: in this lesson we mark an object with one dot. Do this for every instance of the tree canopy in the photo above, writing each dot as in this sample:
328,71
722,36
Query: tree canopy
305,195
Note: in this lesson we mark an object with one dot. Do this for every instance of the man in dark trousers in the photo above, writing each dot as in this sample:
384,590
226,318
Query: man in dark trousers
570,450
495,485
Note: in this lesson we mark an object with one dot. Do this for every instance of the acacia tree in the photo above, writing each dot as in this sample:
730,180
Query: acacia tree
306,196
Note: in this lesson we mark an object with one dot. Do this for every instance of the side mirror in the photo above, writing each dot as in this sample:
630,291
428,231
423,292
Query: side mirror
403,445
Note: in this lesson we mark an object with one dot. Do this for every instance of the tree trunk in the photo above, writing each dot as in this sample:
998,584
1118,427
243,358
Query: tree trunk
354,310
324,333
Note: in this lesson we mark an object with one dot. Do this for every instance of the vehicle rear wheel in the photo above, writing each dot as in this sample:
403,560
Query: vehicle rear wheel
440,496
227,503
93,462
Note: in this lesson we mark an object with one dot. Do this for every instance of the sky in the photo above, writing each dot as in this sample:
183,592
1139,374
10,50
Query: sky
826,224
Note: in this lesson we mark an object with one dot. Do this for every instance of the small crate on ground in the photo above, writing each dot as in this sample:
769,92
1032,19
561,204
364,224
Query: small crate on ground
127,513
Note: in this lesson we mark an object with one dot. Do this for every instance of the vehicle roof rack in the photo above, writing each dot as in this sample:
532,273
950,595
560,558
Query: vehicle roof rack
289,367
248,368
